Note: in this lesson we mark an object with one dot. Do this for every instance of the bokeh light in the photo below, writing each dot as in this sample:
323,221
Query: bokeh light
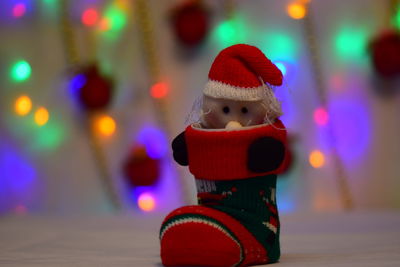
279,46
105,125
19,10
317,159
230,32
104,24
90,17
50,136
321,116
352,128
296,10
18,177
116,17
337,82
155,141
76,83
20,209
113,21
23,105
159,90
20,71
281,66
50,8
41,116
396,18
351,43
146,202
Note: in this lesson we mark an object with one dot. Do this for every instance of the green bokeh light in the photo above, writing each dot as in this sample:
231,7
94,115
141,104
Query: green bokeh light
50,2
50,8
279,46
396,18
116,19
230,32
20,71
48,137
351,44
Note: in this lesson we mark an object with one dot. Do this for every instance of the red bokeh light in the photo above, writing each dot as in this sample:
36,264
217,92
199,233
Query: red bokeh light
159,90
90,17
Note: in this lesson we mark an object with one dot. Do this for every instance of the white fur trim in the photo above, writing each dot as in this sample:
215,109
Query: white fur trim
222,90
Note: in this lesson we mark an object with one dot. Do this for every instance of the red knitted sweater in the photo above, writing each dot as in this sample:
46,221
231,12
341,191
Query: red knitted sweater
219,154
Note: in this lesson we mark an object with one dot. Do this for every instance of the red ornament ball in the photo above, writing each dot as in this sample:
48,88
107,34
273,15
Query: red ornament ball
190,22
385,53
141,170
96,92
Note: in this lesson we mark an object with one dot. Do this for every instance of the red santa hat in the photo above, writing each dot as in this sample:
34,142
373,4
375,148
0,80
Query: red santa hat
239,73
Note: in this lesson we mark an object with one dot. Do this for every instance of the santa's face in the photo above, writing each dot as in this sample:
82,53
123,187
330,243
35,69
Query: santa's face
219,113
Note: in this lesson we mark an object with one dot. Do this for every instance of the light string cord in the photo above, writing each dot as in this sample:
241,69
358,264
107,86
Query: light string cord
341,175
73,60
148,44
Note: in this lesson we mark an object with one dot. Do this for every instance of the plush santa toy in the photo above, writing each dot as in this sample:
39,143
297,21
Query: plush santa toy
235,152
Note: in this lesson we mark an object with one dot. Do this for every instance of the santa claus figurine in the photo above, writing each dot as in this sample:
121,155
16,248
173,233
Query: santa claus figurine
235,152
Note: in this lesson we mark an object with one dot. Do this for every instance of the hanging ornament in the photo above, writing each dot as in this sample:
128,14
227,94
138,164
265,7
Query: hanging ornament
140,169
190,21
385,53
95,90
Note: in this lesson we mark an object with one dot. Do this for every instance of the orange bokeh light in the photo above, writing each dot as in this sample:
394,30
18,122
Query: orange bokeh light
23,105
41,116
159,90
296,10
105,125
317,159
146,202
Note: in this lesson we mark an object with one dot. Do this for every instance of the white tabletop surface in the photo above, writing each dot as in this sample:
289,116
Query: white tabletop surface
330,239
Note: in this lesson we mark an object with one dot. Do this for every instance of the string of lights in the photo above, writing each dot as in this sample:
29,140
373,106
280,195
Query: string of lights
317,159
160,89
93,124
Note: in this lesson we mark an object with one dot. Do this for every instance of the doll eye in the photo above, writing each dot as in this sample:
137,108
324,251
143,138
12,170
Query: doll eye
225,109
244,110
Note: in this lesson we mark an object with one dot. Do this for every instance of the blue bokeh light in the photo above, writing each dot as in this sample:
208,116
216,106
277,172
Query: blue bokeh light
351,128
155,141
76,83
17,178
16,173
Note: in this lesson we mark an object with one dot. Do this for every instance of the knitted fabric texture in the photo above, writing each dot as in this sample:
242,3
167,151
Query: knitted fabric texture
222,154
236,224
203,236
239,73
250,201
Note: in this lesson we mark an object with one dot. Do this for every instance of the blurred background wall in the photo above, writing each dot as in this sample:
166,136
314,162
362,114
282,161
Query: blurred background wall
92,92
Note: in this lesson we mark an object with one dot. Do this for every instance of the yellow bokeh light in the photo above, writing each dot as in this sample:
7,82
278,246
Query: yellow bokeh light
105,125
146,202
296,10
41,116
23,105
317,159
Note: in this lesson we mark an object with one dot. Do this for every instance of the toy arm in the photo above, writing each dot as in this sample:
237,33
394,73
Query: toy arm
265,154
180,150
